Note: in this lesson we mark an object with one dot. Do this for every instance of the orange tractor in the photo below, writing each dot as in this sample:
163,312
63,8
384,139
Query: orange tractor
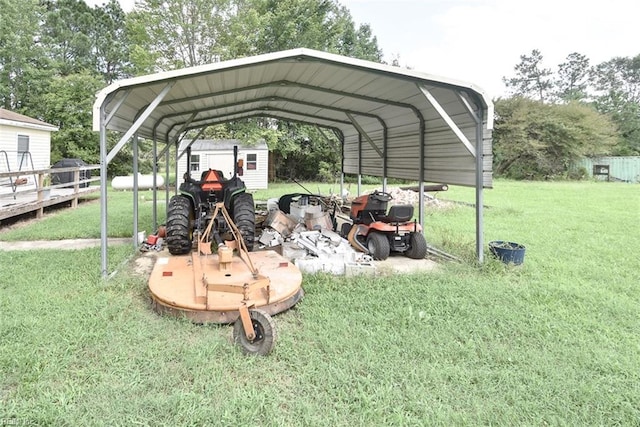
378,233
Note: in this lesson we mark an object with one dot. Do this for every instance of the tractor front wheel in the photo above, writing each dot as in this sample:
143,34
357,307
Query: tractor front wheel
179,226
417,246
378,246
265,329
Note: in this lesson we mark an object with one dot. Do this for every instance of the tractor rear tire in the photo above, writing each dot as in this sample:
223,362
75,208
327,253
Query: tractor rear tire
179,226
244,216
378,246
417,246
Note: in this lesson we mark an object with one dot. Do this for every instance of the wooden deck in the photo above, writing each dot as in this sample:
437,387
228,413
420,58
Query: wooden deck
36,195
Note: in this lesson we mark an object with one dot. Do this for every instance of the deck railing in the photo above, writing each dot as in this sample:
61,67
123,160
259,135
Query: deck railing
17,198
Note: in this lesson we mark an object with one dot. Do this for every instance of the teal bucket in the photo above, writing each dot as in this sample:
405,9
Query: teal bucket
507,252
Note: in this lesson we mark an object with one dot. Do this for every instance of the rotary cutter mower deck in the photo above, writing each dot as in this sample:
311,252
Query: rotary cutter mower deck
244,289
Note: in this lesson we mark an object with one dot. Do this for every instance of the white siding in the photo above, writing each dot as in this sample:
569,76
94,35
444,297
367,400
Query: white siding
39,147
256,179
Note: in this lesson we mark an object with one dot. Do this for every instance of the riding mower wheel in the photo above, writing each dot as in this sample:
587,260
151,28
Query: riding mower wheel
179,226
417,246
245,218
378,246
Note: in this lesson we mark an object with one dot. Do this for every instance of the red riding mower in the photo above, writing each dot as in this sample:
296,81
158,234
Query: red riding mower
377,233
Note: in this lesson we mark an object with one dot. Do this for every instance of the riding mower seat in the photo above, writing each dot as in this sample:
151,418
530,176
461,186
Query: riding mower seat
398,214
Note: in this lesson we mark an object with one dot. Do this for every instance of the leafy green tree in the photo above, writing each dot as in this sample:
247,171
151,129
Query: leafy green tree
533,140
573,78
178,33
110,42
24,69
262,26
531,79
66,35
68,105
618,94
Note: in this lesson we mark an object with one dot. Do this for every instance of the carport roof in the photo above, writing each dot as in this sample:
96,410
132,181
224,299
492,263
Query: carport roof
393,122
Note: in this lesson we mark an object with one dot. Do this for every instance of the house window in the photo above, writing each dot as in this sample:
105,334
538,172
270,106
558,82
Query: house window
252,162
195,162
23,147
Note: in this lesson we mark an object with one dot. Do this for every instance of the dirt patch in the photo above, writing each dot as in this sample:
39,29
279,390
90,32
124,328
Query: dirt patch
144,263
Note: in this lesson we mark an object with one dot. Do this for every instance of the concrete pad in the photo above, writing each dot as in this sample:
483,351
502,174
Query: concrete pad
397,263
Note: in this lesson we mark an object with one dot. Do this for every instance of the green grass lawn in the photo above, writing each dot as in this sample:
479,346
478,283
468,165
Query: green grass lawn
552,342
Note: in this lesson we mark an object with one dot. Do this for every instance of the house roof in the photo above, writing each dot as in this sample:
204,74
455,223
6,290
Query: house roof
8,117
219,145
393,122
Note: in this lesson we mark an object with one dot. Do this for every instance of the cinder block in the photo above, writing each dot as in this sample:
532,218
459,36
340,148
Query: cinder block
359,269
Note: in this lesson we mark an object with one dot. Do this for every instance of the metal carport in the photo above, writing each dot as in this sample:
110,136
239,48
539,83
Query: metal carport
393,122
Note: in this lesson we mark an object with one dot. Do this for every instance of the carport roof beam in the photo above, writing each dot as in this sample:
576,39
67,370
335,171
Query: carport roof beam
456,130
117,106
251,114
179,155
264,111
365,134
268,100
139,121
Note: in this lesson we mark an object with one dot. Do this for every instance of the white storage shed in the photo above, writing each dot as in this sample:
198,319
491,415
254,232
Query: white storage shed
218,154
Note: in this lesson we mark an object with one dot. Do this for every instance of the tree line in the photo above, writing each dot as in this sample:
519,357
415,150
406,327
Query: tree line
56,54
553,118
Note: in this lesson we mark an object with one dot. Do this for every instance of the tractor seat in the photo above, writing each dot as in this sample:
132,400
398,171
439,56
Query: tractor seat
398,213
211,180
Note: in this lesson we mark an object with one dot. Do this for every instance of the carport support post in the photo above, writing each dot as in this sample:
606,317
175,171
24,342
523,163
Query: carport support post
103,190
479,187
359,162
135,190
155,183
176,168
166,183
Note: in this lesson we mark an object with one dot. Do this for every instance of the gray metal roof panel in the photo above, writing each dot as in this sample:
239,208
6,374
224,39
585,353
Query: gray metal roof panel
304,85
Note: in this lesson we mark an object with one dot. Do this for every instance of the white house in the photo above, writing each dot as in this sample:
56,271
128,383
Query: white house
25,143
218,154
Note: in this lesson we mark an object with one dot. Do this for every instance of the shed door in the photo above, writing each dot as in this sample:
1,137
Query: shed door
222,162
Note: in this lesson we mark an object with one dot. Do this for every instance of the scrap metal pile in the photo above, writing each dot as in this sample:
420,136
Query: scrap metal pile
301,227
331,235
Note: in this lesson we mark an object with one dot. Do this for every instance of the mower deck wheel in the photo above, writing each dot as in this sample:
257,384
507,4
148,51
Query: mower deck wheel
378,245
265,329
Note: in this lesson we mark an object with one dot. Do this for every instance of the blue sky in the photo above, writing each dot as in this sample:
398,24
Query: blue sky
480,41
